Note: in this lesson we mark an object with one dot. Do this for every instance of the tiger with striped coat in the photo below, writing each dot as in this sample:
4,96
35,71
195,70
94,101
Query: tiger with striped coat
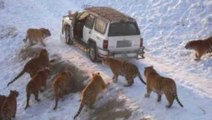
35,84
34,65
61,84
124,68
91,91
200,46
161,85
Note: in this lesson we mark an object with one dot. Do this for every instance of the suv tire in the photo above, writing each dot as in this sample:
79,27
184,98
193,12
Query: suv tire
93,53
68,35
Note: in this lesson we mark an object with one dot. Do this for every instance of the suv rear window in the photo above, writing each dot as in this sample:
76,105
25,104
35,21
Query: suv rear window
100,26
123,29
89,22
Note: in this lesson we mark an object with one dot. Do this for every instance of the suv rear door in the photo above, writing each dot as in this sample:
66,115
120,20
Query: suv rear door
87,29
99,31
124,36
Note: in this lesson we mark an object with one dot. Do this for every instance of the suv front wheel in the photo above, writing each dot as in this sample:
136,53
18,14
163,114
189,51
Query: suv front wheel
68,35
93,53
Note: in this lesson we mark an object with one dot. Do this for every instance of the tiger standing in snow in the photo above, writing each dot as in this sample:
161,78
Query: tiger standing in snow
35,84
35,35
200,46
34,65
160,85
91,91
119,67
60,85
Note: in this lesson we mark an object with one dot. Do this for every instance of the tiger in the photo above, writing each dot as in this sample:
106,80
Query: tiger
91,91
34,65
200,46
35,84
9,107
35,35
124,68
161,85
60,84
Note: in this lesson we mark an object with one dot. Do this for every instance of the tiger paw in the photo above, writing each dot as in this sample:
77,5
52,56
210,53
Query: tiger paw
38,100
115,81
26,107
197,59
127,85
146,95
168,106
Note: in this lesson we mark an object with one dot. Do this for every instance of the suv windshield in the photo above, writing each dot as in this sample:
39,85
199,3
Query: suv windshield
123,29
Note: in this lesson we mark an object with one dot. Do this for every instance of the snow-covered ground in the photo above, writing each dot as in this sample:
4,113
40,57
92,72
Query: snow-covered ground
166,26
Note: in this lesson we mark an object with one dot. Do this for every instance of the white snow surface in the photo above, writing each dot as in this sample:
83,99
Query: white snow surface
166,26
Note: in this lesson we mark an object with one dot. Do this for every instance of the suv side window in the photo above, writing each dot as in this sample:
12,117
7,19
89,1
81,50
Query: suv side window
100,26
89,21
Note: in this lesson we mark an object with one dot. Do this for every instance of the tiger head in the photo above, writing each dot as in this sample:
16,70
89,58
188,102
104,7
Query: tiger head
96,76
106,61
192,44
67,73
14,92
46,32
43,52
188,45
149,70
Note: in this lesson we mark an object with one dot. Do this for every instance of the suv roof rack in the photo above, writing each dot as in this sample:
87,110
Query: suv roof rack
109,14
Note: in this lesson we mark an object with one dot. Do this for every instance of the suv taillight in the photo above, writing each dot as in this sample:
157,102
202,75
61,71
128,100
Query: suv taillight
141,42
105,44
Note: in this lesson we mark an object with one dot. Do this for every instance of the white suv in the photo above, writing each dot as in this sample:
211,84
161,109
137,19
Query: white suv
105,32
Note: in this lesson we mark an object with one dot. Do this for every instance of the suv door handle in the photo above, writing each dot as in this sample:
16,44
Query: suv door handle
97,37
89,32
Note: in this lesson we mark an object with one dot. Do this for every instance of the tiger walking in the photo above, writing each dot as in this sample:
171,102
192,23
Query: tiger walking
119,67
200,46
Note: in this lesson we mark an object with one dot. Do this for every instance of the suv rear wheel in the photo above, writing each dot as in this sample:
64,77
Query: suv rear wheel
93,53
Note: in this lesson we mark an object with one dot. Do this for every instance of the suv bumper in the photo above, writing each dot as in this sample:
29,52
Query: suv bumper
126,54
